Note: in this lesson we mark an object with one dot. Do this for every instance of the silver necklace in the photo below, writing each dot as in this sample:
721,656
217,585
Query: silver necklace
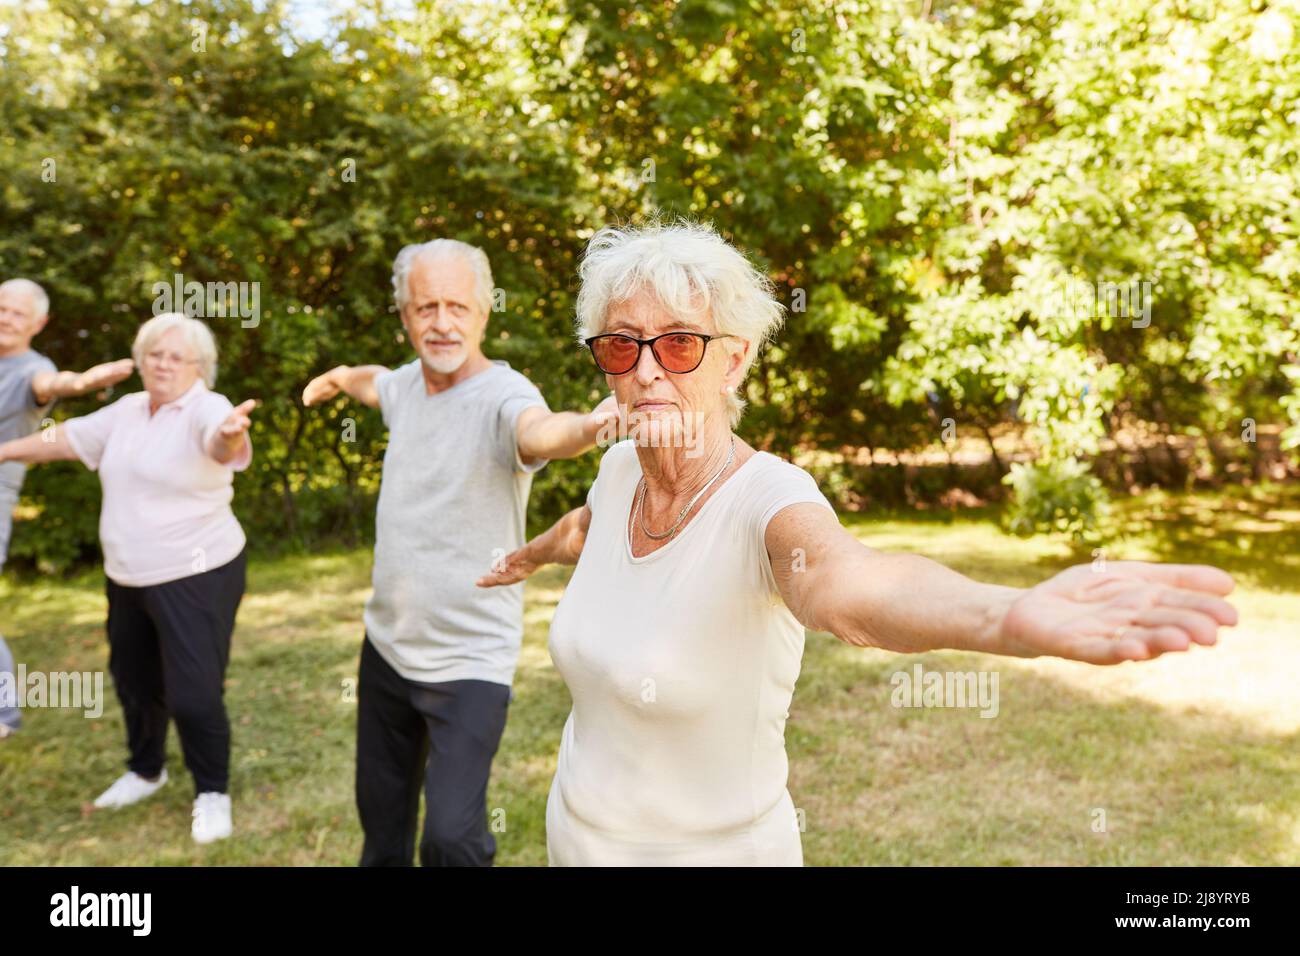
641,490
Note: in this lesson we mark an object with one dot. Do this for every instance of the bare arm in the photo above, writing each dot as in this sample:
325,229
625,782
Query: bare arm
561,543
1132,610
49,444
357,381
47,386
553,435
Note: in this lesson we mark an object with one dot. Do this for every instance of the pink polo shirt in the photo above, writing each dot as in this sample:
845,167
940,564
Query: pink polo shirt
166,510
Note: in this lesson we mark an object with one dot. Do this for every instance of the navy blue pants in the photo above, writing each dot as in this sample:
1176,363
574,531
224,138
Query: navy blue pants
169,645
441,737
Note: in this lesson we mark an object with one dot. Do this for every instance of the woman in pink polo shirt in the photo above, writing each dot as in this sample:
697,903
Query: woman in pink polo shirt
173,555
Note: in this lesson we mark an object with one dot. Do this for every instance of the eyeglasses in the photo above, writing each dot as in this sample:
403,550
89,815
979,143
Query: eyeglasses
676,352
158,358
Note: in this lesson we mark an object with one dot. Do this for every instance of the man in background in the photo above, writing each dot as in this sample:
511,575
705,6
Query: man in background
466,434
29,386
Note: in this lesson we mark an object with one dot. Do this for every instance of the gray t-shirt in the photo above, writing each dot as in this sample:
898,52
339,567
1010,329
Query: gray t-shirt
19,417
452,500
19,413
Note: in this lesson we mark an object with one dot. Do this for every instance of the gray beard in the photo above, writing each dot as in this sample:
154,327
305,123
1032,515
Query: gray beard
446,365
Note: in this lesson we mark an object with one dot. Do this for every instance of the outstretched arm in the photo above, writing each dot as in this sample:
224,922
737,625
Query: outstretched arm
561,543
358,381
48,444
1132,611
47,386
553,435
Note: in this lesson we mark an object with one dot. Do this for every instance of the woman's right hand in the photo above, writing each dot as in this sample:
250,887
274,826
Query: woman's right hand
510,569
561,543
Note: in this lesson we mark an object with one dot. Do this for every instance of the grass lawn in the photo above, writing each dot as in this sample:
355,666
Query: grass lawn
1193,759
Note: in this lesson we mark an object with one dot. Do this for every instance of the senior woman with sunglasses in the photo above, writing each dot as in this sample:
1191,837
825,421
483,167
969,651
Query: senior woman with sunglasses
173,556
680,632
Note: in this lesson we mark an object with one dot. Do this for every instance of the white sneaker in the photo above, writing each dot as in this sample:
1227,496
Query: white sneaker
129,788
211,817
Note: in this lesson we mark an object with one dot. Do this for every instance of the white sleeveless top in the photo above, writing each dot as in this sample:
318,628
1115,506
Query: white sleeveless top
681,665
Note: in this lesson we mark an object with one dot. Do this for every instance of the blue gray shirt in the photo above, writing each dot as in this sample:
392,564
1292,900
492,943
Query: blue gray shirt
19,413
19,417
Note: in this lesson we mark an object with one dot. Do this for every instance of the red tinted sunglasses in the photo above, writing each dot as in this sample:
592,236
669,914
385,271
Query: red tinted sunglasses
677,352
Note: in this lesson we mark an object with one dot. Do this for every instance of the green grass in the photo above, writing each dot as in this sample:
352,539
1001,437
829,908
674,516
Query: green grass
1193,758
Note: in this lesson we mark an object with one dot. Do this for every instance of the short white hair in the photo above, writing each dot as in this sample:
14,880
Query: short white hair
197,335
40,298
443,249
686,266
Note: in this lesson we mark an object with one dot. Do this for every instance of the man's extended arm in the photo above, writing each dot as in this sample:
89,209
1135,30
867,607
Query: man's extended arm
47,386
554,435
358,381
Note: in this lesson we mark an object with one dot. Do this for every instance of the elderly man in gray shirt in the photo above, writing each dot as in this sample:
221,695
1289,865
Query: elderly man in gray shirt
465,436
29,386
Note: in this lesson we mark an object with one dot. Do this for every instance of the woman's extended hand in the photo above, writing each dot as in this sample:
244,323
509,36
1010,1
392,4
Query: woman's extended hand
510,569
232,434
1119,611
561,543
237,423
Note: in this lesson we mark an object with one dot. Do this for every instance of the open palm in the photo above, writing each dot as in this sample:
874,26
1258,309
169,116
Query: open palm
1120,611
510,569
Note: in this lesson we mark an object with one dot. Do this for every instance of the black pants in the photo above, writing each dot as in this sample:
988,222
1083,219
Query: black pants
444,735
169,645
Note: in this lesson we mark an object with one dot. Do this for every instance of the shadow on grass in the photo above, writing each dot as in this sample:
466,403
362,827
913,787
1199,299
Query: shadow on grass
1252,533
886,785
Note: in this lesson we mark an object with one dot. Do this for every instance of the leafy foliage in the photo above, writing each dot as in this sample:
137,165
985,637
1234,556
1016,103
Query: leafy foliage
933,186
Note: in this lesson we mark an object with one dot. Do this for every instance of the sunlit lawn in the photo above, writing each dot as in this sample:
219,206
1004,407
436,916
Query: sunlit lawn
1191,759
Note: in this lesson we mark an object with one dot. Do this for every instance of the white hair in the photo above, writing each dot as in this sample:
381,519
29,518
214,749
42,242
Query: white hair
197,335
40,298
686,266
443,249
